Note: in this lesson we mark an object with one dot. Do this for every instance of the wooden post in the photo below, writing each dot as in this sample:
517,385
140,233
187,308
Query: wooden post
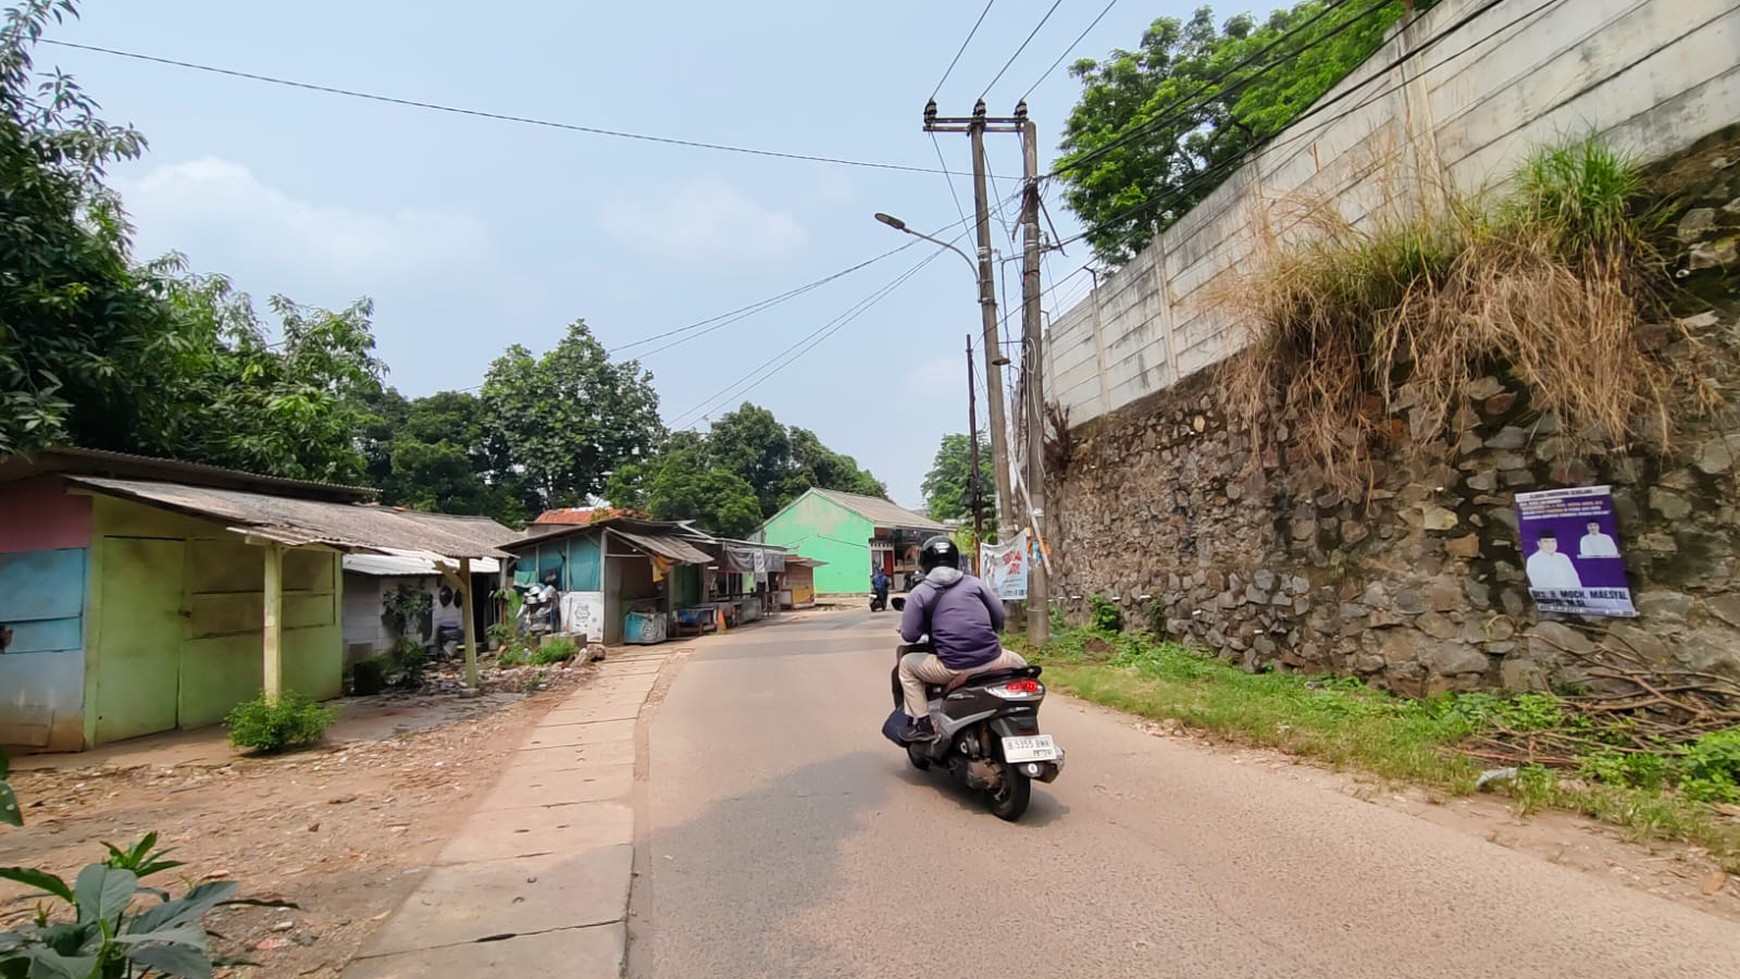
468,621
272,641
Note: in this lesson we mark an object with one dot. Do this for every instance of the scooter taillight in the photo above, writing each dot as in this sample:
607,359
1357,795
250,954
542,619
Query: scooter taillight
1026,689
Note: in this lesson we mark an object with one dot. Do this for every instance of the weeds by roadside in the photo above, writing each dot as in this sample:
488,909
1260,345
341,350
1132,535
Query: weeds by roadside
1670,794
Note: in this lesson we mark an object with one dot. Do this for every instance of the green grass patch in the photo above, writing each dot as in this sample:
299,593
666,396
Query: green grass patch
1346,724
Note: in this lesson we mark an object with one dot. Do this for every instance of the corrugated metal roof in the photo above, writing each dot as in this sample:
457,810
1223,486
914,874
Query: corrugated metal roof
664,545
881,512
72,461
298,522
399,566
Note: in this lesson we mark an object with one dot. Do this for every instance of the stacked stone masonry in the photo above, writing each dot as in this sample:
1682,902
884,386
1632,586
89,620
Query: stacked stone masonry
1234,544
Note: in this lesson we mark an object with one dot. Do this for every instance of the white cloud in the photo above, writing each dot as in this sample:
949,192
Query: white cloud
707,218
220,212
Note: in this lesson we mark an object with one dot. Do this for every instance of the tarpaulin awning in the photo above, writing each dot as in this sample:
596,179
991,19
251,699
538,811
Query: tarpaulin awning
749,559
672,548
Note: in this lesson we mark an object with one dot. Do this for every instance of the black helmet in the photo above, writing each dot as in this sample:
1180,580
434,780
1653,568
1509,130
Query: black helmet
938,552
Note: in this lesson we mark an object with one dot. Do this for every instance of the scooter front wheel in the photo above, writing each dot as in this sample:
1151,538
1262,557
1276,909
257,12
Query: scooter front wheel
917,758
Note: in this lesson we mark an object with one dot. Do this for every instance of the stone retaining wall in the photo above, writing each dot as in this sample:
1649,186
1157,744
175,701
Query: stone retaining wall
1415,583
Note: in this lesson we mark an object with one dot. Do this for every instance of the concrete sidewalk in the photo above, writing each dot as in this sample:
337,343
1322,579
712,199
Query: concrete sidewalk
536,881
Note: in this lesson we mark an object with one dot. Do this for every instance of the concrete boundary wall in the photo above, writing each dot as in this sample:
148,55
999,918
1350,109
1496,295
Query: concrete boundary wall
1446,102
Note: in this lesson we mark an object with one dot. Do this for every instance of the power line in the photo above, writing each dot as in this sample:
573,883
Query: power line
743,312
748,382
1281,139
1066,51
1183,107
497,116
1023,47
937,145
725,319
963,50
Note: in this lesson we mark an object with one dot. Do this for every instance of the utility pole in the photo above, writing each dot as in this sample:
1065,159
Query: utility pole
976,500
976,126
1032,354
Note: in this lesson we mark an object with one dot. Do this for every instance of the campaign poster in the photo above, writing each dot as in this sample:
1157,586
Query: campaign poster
1570,543
1004,568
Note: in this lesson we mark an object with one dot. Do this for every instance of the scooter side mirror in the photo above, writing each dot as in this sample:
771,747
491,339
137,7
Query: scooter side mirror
898,603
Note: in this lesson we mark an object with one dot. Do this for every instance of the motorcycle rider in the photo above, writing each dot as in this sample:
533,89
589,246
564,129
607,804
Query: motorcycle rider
962,616
879,586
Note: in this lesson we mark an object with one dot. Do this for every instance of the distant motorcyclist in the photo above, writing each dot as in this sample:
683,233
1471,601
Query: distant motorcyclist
962,617
879,587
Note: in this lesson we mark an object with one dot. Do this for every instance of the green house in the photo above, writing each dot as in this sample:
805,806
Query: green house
852,534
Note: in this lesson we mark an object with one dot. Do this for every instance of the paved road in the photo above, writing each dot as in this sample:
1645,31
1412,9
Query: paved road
782,837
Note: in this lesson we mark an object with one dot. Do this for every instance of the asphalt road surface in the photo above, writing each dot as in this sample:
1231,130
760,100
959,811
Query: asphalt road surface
782,836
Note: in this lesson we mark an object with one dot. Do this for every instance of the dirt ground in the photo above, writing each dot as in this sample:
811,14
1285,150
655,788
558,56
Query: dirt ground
344,829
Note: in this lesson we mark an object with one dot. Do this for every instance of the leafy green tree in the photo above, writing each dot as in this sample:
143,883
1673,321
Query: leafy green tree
817,465
230,397
948,487
571,417
81,329
780,462
752,444
684,483
1156,129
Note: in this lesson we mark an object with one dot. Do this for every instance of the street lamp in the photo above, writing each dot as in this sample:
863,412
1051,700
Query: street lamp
899,225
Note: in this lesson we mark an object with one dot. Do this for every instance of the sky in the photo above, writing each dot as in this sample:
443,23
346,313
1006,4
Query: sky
471,234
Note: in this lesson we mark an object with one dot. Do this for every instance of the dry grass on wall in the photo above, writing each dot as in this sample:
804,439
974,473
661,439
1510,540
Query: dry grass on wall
1556,283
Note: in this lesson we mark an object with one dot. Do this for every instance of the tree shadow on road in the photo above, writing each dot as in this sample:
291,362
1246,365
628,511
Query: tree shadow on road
1045,810
729,892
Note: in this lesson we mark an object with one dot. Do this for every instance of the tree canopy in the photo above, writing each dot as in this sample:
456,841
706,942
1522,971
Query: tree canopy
1157,128
100,350
570,417
948,487
741,472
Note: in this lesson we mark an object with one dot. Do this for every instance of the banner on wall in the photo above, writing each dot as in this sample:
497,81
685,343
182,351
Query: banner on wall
1570,544
583,614
1004,567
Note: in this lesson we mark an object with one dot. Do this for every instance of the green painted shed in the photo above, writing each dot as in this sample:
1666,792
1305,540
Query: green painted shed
848,532
142,595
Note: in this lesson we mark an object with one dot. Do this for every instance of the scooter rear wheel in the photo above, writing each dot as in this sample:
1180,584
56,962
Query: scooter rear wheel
1013,792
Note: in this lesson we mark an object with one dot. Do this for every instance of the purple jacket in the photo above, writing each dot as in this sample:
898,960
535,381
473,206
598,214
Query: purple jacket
960,613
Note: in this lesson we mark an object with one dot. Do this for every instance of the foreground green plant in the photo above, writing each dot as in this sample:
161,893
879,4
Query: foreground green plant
9,813
270,726
107,932
556,649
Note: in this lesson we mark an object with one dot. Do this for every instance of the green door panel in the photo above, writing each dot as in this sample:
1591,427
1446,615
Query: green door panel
138,663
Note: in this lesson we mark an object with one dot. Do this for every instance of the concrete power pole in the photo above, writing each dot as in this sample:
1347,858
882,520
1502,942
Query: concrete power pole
975,126
1033,359
977,501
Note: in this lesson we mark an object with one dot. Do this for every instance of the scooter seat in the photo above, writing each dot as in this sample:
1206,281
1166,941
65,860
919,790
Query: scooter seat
960,680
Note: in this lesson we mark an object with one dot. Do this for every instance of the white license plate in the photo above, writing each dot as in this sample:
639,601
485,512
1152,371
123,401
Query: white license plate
1040,747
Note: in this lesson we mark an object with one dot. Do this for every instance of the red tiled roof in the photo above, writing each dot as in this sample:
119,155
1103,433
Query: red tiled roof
580,516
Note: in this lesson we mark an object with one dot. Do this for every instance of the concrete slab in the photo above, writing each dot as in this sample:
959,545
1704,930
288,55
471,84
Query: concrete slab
474,901
633,667
522,787
591,713
572,756
582,953
503,834
614,685
568,735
